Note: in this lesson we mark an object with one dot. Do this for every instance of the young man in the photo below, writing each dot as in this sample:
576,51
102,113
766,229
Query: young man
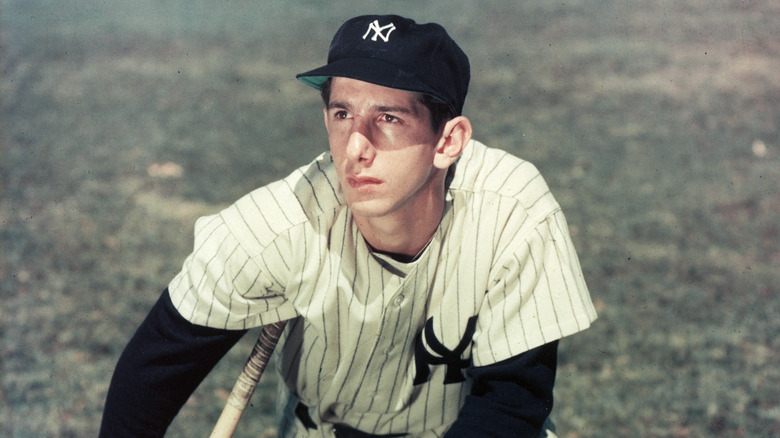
427,277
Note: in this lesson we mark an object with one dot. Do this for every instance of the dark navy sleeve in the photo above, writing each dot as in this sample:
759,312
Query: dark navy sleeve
165,360
511,398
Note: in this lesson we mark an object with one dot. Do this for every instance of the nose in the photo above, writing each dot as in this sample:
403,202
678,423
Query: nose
359,145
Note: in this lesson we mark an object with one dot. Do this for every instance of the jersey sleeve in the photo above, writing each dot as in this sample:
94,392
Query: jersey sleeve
511,398
223,285
537,294
165,360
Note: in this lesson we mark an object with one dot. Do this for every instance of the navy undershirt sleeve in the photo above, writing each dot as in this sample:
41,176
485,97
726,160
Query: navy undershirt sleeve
163,363
511,398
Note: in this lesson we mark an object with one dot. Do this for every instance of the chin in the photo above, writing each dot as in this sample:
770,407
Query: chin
370,208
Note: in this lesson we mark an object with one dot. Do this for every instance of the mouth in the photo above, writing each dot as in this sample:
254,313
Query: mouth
359,182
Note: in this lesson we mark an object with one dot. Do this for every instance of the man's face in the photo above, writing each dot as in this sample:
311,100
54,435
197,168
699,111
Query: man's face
383,146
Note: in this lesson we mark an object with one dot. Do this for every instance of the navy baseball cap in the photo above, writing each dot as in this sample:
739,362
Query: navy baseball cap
396,52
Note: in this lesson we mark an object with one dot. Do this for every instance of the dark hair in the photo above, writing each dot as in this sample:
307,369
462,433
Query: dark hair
440,112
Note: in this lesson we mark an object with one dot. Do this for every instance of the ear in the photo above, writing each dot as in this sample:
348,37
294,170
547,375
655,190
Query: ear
454,137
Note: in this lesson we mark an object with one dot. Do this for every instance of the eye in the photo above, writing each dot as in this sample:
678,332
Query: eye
340,115
389,118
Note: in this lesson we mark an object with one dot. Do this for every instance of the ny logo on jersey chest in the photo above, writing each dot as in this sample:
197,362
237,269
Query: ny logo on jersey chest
423,358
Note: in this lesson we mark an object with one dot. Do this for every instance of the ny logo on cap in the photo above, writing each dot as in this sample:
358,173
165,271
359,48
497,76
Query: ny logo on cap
378,31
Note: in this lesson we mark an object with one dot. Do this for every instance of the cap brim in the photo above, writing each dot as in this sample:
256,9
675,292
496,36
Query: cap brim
370,70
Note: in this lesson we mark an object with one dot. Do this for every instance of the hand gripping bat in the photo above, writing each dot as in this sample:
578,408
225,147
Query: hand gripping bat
247,381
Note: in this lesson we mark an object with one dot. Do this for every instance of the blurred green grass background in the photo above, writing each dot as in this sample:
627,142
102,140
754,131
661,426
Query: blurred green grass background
654,122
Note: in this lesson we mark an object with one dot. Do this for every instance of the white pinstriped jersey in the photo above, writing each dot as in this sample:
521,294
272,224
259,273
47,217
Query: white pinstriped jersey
378,345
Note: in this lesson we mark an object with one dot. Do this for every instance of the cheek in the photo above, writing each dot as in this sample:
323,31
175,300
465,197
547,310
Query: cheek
411,170
334,145
339,159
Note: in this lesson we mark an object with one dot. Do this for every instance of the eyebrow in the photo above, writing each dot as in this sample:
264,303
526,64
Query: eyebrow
395,109
379,108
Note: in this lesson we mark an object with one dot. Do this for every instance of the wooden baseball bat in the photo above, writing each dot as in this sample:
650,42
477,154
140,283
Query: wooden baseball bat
247,381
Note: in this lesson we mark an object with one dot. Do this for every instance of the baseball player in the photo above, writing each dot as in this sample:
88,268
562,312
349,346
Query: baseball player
427,277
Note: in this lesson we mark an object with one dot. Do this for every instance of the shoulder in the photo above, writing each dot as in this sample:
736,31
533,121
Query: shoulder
494,172
261,216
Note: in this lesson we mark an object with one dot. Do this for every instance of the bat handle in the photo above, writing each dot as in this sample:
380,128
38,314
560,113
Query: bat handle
247,381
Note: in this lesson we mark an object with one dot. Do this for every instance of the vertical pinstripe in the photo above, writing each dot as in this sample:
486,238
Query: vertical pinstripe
502,253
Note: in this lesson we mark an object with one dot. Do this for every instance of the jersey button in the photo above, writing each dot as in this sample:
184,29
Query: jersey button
398,300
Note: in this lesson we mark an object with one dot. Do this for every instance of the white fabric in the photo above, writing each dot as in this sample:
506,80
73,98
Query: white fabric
502,253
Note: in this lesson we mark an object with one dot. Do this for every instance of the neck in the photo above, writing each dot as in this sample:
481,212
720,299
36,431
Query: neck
405,235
